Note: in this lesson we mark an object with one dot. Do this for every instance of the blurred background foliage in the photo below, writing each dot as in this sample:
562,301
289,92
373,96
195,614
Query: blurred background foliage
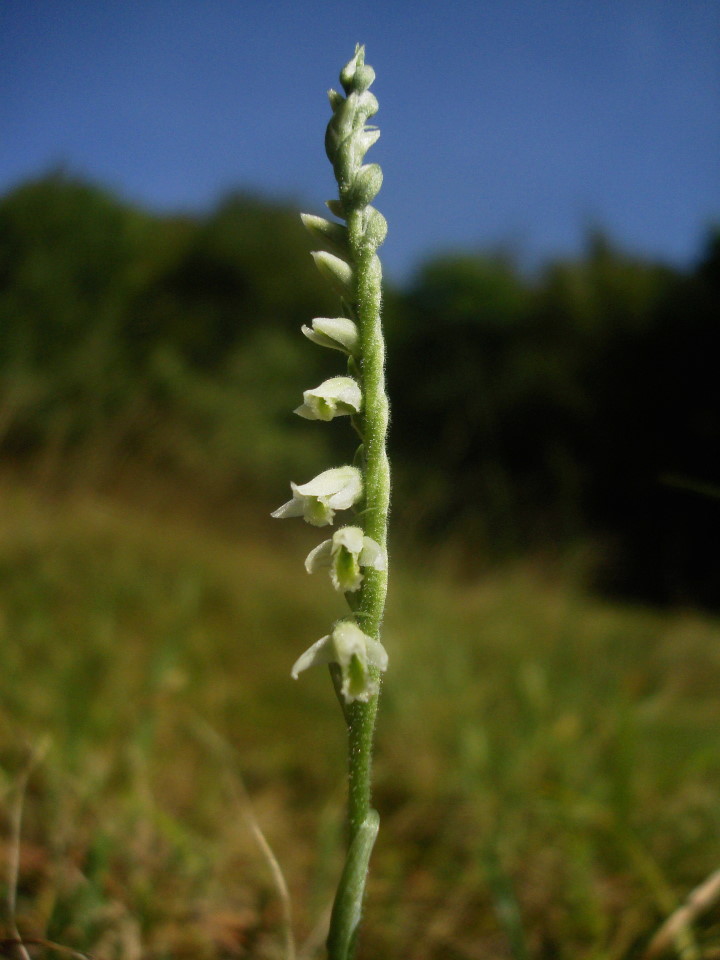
532,412
545,769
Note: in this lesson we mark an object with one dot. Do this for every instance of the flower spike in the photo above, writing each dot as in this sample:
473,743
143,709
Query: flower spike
355,556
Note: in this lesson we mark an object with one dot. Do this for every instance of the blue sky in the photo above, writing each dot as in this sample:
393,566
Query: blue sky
508,123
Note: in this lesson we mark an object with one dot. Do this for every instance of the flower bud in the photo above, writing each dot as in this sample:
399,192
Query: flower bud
364,76
374,226
349,73
337,271
363,105
357,75
333,235
366,138
336,99
351,151
336,207
340,127
365,186
337,333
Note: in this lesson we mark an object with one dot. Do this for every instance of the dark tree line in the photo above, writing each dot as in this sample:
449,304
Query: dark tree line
585,402
579,403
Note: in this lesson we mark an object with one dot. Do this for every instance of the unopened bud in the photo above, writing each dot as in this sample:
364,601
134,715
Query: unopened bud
336,99
375,226
336,207
365,185
347,74
337,271
337,333
333,235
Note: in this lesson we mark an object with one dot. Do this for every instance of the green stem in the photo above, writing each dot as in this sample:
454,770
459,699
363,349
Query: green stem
345,920
373,592
363,822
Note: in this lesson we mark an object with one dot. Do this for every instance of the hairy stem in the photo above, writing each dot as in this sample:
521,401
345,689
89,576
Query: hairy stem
371,604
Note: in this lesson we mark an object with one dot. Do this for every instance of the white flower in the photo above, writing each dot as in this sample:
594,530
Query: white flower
317,500
345,554
354,652
336,397
338,333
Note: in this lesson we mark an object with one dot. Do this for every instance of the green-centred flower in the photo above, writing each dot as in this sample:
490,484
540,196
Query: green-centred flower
318,499
354,652
336,397
345,554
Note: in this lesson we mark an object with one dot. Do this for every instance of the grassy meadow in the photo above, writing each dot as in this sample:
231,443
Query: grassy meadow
547,762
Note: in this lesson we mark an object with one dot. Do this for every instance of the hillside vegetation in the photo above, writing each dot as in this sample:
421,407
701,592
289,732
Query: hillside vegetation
582,403
547,763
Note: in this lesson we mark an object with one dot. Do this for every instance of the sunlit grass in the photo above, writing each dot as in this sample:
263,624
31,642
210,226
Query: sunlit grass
547,763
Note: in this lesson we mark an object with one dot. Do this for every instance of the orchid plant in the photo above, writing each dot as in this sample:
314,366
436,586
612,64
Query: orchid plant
356,554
